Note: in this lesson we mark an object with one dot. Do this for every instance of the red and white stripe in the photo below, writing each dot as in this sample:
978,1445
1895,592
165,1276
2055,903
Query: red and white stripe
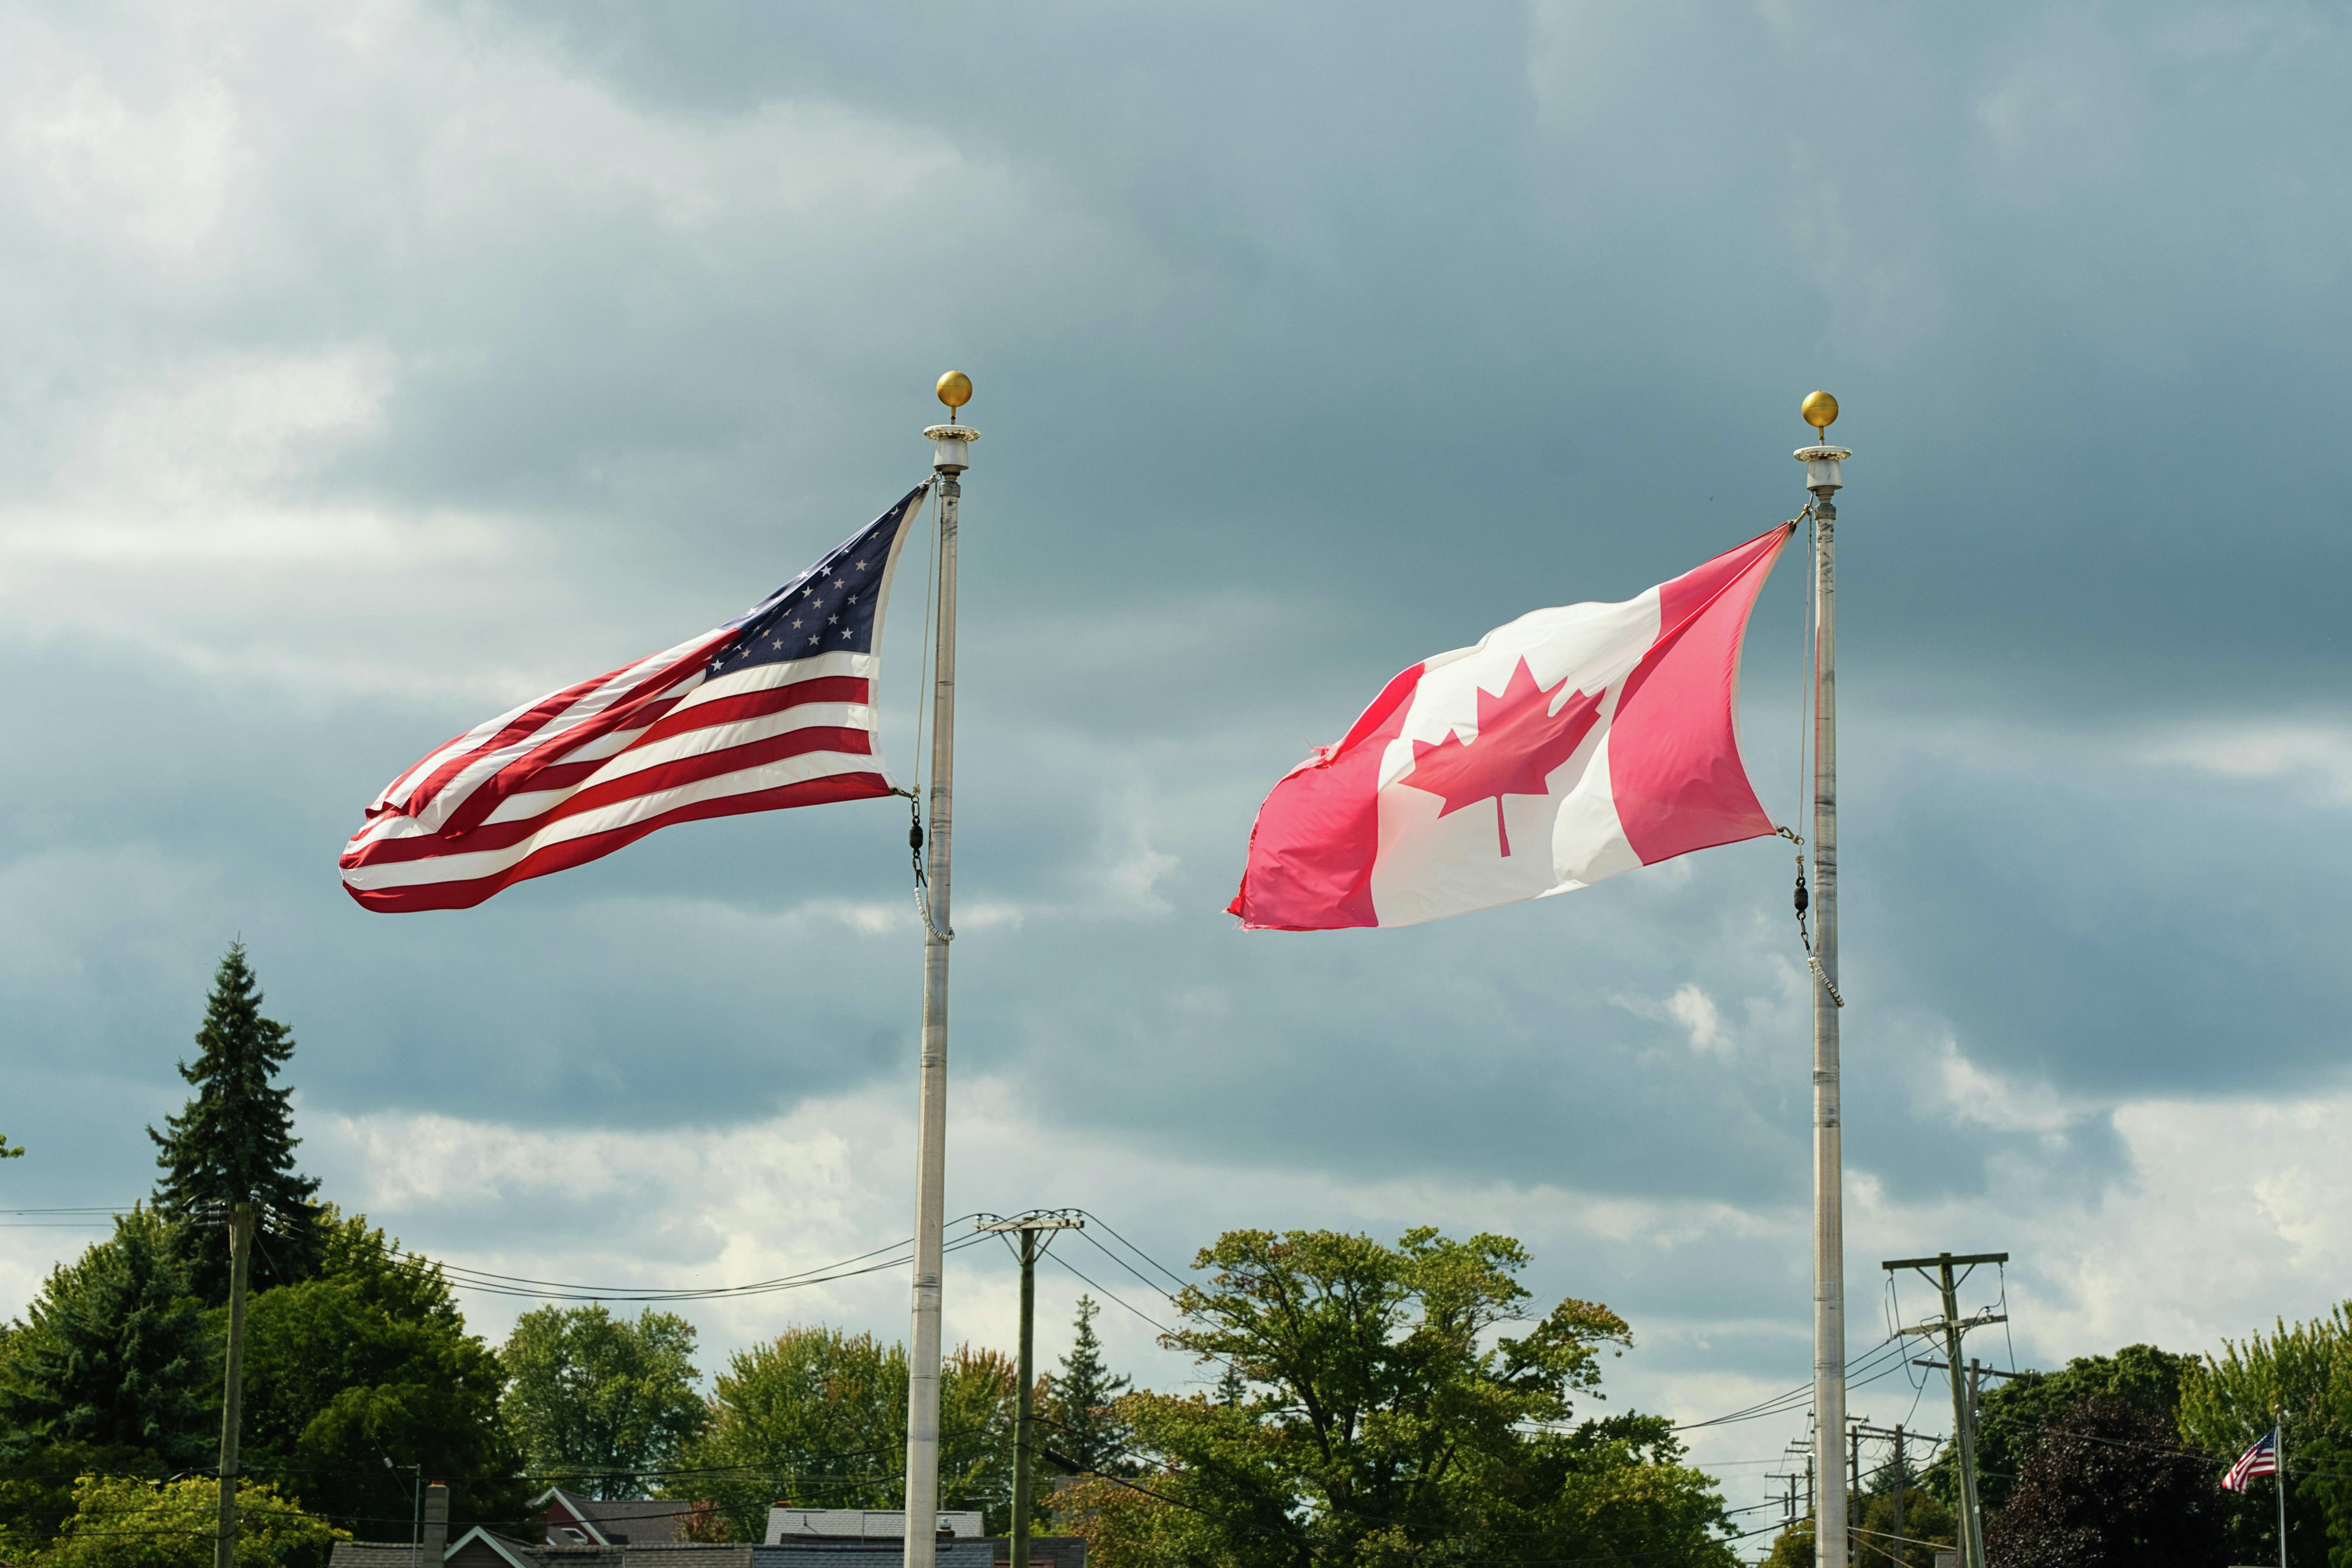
584,770
2262,1460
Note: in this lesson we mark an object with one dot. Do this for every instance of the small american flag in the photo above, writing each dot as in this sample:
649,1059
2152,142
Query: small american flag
2262,1460
774,709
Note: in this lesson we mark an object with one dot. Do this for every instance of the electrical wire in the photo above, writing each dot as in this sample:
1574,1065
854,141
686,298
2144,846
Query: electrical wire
2005,1334
1095,1218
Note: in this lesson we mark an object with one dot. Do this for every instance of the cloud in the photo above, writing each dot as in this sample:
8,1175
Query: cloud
371,372
2315,754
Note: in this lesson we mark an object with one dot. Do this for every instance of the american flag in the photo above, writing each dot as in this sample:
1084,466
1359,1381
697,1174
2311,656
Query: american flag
774,709
2262,1460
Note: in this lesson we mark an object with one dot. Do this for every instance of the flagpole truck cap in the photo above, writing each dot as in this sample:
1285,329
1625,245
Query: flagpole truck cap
1821,459
952,442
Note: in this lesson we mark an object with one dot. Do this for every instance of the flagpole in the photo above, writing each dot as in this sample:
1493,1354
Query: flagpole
2278,1452
950,448
1822,477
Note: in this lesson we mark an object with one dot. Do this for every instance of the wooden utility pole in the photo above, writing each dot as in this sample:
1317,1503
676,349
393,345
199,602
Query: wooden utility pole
1900,1468
1853,1490
240,1251
1951,1325
1024,1434
1902,1477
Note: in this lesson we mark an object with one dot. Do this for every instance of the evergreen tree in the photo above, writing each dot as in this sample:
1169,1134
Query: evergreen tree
116,1354
235,1143
1082,1419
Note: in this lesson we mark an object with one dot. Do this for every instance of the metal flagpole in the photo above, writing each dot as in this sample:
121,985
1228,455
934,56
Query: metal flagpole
2278,1453
950,448
1821,477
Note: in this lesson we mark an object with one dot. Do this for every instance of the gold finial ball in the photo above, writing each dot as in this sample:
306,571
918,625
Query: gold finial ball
1820,409
955,389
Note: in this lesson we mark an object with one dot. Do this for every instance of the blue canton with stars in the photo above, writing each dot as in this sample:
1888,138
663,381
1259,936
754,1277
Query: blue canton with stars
829,608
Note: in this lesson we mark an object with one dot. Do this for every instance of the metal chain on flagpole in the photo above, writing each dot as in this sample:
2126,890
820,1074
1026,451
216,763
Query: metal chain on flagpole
922,878
914,796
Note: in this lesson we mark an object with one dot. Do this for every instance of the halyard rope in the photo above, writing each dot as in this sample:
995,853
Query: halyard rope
1812,645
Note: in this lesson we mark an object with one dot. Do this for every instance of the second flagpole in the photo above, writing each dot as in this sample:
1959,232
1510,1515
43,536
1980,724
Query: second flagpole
950,449
1823,477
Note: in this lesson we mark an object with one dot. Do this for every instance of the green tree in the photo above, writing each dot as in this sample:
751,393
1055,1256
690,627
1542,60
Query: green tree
1079,1405
1926,1527
1133,1524
9,1151
1793,1548
234,1141
123,1523
115,1353
369,1360
2012,1415
2109,1483
600,1400
818,1417
1387,1420
2303,1371
36,1493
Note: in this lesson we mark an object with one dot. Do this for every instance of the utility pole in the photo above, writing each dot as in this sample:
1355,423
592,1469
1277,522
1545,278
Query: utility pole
416,1523
1978,1372
240,1250
1951,1326
1854,1491
1900,1468
1028,1227
1823,477
1902,1477
950,455
1975,1383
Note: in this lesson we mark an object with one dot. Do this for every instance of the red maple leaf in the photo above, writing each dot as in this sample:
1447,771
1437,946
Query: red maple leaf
1520,741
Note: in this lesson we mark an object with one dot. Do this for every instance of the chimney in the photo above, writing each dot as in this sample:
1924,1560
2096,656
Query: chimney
436,1525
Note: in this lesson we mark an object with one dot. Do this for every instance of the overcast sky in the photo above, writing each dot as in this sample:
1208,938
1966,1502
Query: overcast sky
365,370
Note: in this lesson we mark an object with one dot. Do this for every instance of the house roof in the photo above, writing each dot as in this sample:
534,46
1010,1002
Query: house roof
639,1521
374,1555
662,1554
488,1548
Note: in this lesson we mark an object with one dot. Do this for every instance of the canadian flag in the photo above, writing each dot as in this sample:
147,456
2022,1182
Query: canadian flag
1566,747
